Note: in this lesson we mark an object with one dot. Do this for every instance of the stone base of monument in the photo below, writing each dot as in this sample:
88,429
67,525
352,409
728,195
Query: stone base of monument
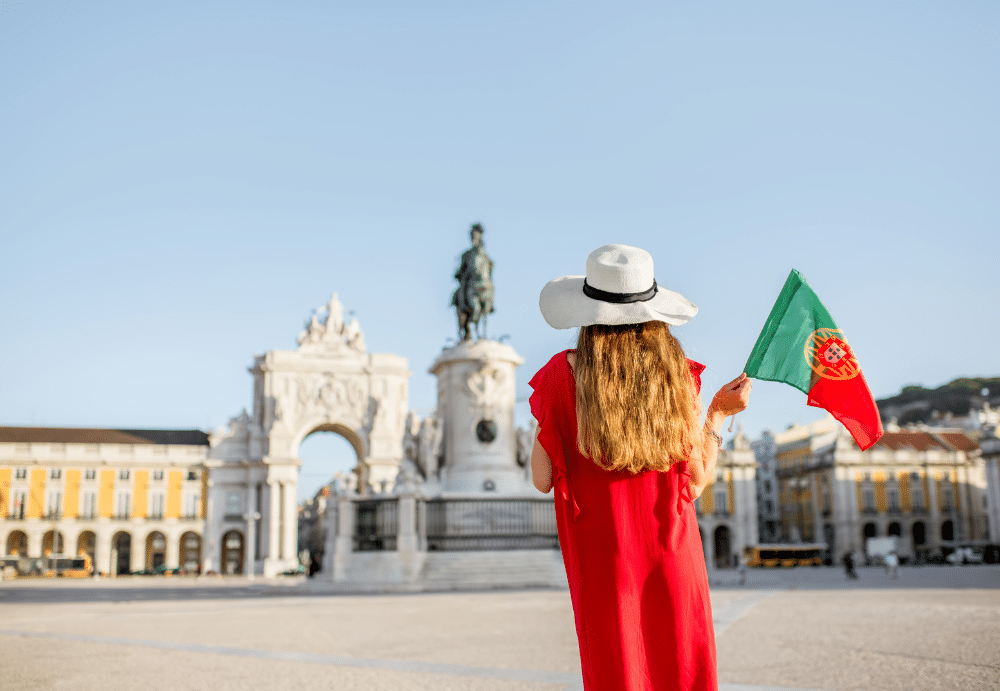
379,572
409,543
475,402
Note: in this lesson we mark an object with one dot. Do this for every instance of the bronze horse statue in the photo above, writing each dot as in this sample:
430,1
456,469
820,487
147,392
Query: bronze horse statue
473,299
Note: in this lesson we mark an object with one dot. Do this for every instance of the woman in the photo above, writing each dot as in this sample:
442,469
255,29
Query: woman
619,438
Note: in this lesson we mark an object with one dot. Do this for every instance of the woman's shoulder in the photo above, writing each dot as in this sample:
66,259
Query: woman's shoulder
552,372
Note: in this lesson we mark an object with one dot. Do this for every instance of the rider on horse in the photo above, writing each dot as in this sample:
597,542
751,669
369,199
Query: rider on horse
474,297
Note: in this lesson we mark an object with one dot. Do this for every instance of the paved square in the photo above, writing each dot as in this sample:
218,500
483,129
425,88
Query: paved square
933,628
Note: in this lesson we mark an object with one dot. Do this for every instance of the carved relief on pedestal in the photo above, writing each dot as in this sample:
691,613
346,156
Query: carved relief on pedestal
486,386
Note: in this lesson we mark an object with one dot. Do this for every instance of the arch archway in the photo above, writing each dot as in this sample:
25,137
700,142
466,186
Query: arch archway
329,384
919,533
17,544
156,550
948,531
870,530
86,545
190,556
329,451
121,553
232,553
723,547
53,543
895,529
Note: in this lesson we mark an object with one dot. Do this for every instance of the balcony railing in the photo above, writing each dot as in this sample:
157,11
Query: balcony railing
86,516
155,516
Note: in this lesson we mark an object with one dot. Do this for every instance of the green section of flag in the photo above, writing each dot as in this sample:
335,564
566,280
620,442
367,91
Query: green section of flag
779,354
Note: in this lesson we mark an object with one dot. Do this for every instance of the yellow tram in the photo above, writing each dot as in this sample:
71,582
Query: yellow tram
798,554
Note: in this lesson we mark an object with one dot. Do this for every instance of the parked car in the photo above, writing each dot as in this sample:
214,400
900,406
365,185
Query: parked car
964,555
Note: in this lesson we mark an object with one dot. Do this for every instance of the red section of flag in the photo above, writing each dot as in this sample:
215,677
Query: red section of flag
851,402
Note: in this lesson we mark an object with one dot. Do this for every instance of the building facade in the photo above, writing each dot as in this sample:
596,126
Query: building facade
768,514
727,507
129,500
927,487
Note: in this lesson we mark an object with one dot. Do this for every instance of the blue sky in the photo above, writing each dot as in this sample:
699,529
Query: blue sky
182,183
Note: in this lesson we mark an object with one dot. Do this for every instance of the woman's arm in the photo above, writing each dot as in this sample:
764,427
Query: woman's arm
730,399
541,467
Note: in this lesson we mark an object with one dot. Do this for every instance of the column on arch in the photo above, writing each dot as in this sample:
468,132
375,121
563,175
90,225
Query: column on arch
291,532
273,518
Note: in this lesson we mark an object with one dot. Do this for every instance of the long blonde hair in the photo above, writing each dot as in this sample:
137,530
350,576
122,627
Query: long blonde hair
636,405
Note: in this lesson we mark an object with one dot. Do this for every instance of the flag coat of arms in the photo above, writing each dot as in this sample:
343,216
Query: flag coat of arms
802,345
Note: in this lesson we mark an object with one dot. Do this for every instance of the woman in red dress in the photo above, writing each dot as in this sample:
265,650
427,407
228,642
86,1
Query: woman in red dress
619,438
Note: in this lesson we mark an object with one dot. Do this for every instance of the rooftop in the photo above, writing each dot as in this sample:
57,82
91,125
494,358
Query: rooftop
82,435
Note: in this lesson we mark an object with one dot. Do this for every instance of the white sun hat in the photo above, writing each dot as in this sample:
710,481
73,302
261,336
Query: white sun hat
619,288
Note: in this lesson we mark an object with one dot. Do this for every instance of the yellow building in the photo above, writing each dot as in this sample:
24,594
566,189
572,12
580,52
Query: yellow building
926,486
727,507
129,499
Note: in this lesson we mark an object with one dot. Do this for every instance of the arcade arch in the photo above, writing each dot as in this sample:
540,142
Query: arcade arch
156,550
121,553
17,544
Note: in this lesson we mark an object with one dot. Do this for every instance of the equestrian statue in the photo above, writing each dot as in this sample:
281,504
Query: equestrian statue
473,299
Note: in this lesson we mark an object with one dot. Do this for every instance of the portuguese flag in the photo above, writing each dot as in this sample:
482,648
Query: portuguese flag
801,345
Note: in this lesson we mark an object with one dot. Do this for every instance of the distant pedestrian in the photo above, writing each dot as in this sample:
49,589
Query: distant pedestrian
892,565
849,566
741,569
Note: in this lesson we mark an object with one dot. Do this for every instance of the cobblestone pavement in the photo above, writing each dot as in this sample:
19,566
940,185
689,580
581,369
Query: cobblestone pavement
932,628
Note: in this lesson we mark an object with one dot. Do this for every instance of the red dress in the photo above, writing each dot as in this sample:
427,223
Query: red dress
633,557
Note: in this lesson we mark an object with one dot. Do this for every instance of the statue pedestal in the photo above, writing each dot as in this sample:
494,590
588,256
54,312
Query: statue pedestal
476,396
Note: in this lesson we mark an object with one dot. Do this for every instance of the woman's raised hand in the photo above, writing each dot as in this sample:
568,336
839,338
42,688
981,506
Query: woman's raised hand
733,397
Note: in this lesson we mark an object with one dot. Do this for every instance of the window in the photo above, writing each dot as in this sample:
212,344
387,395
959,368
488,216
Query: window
947,494
721,500
916,492
123,505
88,505
190,505
53,504
156,505
90,474
17,506
124,474
234,506
55,474
21,474
868,494
158,475
892,493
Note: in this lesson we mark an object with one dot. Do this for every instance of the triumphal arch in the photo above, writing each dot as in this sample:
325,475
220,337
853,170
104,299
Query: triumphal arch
329,383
